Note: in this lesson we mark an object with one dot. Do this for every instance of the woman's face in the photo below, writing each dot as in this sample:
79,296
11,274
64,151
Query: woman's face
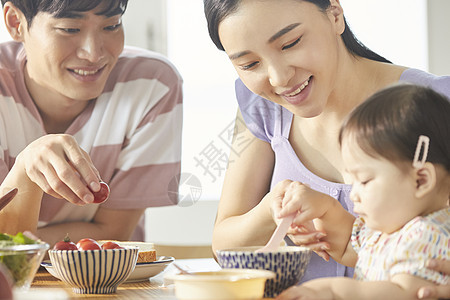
287,51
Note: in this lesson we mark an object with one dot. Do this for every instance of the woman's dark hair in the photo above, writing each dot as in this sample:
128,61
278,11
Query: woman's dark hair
66,8
217,10
389,124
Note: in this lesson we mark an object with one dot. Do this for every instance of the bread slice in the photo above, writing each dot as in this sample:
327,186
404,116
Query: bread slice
146,252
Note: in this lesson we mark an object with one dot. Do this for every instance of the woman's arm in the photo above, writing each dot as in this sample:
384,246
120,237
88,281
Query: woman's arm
244,216
402,287
432,291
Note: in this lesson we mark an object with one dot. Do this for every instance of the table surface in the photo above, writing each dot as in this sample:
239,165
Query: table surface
45,286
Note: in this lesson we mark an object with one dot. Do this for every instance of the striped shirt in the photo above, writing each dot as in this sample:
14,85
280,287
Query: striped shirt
132,131
405,251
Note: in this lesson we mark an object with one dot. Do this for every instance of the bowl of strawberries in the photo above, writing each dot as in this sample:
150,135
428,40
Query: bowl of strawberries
91,268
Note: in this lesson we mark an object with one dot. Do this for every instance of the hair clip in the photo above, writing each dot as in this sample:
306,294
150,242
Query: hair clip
425,141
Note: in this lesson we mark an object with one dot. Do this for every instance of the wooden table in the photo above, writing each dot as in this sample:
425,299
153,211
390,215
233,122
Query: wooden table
47,287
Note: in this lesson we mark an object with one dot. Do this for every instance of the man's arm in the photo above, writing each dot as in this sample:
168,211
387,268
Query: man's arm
111,224
51,164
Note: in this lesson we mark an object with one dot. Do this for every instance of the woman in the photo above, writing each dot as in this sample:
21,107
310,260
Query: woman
301,72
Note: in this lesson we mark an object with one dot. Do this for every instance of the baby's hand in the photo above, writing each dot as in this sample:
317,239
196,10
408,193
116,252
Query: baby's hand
306,235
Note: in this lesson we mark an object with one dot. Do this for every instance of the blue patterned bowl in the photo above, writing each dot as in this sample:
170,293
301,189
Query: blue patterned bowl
94,271
289,264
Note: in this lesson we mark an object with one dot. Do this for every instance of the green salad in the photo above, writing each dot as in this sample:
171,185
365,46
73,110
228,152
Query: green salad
18,264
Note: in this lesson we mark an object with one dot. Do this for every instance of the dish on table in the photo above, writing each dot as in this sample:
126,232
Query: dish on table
222,284
93,271
142,271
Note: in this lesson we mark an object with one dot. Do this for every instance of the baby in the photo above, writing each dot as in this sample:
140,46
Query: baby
396,151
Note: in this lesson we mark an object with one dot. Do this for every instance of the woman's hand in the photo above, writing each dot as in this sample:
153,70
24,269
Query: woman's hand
442,291
308,291
309,204
291,197
58,165
295,197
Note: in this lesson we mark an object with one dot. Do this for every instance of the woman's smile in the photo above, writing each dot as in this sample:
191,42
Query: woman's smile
286,56
298,93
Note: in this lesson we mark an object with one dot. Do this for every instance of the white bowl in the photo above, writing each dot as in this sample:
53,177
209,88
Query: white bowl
223,284
142,271
94,271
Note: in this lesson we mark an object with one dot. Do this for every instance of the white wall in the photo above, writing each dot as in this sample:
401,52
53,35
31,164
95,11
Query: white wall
210,105
397,29
438,36
145,24
4,35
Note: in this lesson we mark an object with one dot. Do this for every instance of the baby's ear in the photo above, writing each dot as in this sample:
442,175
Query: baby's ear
425,179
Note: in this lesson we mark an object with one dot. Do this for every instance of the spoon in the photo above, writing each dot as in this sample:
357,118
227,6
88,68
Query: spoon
278,234
5,199
182,271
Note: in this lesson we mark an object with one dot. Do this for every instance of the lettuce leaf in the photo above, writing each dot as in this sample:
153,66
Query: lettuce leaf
18,264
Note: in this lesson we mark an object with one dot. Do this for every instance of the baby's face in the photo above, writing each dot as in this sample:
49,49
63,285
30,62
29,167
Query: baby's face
382,193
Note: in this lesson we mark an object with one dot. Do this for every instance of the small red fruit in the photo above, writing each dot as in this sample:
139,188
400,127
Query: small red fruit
65,244
88,244
111,245
103,194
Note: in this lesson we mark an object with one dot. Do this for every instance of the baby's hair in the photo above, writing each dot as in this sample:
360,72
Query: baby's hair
388,124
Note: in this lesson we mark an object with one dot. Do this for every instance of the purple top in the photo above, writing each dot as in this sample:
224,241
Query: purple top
271,122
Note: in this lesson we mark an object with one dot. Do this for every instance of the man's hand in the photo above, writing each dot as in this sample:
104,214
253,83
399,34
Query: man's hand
58,165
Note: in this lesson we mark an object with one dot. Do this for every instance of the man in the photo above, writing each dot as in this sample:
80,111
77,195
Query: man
76,107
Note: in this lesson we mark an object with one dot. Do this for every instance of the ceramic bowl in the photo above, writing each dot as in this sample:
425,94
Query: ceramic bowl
94,271
223,284
142,271
288,263
22,261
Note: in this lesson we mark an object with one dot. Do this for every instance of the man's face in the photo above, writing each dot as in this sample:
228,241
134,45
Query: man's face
71,58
